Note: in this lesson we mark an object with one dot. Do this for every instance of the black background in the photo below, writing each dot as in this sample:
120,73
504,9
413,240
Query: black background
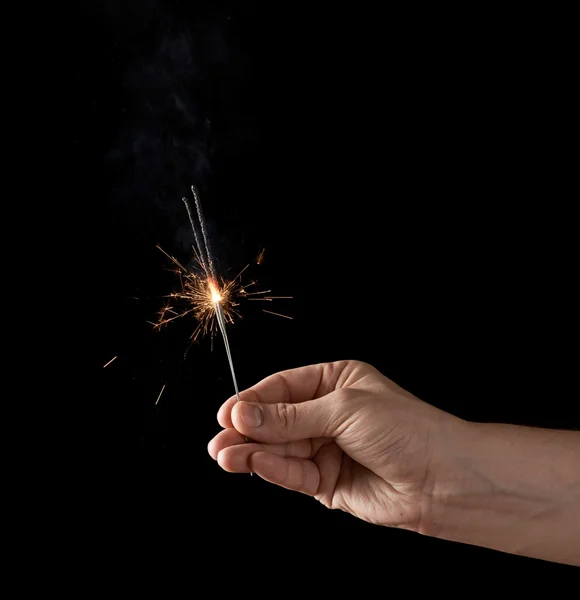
404,173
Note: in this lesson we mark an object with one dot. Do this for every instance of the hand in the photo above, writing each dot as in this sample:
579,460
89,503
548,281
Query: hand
342,433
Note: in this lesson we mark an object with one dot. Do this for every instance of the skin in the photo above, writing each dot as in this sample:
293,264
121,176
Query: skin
354,440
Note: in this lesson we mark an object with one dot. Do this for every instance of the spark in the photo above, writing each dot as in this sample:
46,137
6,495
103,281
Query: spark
260,257
112,359
270,298
277,314
161,392
240,273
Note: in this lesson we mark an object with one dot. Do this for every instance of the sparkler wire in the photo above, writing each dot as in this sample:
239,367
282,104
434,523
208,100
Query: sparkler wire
200,251
209,263
222,326
204,232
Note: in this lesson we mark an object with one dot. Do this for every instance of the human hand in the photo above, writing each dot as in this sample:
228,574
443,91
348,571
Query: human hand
342,433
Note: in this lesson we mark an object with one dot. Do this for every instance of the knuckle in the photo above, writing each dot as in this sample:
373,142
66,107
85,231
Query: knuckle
287,392
359,364
346,405
341,365
359,367
343,398
286,415
341,373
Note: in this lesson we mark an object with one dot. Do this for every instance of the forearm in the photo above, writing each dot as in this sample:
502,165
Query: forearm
510,488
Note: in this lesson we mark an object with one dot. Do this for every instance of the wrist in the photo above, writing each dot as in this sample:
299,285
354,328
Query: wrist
450,477
510,488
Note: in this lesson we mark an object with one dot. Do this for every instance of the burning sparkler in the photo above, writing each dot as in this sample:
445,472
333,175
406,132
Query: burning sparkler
202,294
213,301
210,300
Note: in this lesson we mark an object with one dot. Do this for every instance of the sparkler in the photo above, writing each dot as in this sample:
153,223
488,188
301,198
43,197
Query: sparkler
207,298
210,299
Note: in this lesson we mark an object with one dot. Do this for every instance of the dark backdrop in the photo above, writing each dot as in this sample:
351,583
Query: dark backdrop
403,173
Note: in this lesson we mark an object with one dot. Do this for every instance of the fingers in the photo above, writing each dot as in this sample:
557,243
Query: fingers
300,474
317,477
284,464
296,474
308,466
224,415
239,451
224,439
292,386
291,418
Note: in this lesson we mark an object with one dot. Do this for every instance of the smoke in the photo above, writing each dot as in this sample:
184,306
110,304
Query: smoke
179,75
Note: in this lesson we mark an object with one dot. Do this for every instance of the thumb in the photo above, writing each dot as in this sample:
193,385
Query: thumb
284,421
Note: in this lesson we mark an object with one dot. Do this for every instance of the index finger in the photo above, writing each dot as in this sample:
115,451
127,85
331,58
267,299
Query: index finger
291,386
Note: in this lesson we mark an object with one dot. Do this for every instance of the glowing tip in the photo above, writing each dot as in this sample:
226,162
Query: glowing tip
215,295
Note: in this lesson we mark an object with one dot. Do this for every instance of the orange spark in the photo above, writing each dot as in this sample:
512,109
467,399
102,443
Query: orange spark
277,314
112,359
161,392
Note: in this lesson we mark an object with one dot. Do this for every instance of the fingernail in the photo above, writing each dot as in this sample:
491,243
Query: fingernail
251,414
